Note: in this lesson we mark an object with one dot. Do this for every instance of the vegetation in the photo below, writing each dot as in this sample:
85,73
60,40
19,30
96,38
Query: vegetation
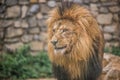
113,50
21,65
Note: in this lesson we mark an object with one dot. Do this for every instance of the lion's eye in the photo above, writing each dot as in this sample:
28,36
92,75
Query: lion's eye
53,30
64,30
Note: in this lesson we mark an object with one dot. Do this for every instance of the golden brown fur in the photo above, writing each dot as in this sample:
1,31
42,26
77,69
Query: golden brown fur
84,36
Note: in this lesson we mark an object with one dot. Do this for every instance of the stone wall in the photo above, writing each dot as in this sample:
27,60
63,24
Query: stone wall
23,21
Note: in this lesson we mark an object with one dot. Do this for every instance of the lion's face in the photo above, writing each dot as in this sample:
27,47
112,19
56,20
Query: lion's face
64,36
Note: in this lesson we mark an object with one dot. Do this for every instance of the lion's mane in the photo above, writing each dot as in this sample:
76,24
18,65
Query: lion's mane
84,62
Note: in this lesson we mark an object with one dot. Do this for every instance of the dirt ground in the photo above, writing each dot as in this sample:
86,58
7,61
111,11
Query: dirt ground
44,79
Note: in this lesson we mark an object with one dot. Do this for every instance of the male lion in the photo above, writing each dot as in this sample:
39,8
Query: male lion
75,43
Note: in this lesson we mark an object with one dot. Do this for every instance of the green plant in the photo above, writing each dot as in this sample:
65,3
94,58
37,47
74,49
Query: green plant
116,50
113,50
22,65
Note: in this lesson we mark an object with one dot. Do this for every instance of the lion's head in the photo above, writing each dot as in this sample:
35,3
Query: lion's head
64,36
72,33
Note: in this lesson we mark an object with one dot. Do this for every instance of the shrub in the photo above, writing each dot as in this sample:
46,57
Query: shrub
113,50
22,65
116,50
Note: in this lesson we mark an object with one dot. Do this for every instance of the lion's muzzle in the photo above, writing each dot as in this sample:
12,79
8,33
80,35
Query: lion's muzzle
54,42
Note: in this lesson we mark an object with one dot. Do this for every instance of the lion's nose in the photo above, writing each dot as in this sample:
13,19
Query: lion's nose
54,42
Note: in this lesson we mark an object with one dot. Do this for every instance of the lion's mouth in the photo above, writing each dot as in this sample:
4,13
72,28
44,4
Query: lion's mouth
59,48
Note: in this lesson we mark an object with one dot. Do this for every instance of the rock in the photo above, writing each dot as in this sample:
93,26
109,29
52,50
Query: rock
115,37
24,2
24,24
14,46
103,0
34,30
43,28
42,1
107,36
36,46
24,11
107,45
12,32
78,1
33,1
1,1
105,18
41,23
115,17
1,36
111,69
33,53
51,3
104,10
17,23
6,23
110,29
36,37
11,2
46,47
109,3
33,9
94,0
39,15
26,38
2,15
2,9
43,36
115,44
95,13
45,16
14,40
86,1
32,21
13,12
114,9
113,74
44,9
101,28
93,7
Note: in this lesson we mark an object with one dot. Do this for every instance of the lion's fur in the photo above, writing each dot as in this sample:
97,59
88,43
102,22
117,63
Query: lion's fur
89,39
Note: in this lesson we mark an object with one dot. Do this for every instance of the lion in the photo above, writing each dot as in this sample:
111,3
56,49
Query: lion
75,43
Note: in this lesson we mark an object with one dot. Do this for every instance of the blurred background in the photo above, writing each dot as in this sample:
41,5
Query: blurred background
23,31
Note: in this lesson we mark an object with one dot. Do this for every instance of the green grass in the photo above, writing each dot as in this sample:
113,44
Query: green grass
21,65
113,50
